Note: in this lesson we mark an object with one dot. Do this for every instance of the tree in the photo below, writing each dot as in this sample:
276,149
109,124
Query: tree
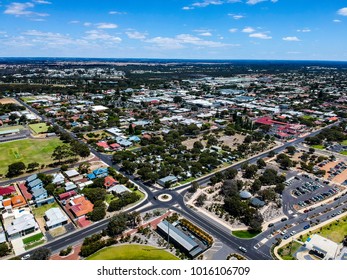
98,213
291,150
201,200
4,249
198,145
84,168
32,166
177,99
256,186
94,194
62,152
117,224
15,169
250,171
261,163
230,173
45,178
40,254
131,129
194,187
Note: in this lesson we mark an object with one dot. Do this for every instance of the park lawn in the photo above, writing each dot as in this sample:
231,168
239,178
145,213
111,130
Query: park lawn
20,127
109,197
343,153
39,212
246,234
28,98
319,147
27,151
187,180
333,231
132,252
39,127
32,238
344,142
286,253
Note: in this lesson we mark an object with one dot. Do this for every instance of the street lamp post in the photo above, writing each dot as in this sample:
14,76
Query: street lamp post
168,232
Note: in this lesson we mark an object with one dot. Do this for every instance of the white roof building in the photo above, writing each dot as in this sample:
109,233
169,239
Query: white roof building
55,217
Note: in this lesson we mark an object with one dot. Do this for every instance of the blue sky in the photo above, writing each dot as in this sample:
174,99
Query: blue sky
206,29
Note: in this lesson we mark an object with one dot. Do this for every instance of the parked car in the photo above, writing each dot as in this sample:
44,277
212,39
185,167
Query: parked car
307,226
243,249
25,257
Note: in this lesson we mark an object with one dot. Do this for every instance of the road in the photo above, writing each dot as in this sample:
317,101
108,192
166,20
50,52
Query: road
177,204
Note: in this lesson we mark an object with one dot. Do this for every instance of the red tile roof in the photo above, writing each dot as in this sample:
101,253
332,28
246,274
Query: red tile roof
67,195
24,191
7,190
110,181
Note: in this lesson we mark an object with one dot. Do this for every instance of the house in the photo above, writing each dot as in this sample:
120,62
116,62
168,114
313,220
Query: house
123,142
31,178
69,186
39,194
119,189
71,173
114,131
98,173
55,217
109,181
35,184
80,206
66,195
167,180
58,179
22,226
115,146
134,138
17,201
9,190
103,144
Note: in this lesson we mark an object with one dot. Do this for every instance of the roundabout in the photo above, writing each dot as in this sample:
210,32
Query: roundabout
165,197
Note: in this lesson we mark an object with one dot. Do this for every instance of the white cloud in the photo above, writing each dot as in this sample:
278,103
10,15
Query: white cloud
87,24
248,30
22,9
233,30
291,38
337,20
186,8
260,36
101,35
104,25
305,30
117,13
205,34
183,40
342,12
205,3
234,16
136,35
42,2
74,21
253,2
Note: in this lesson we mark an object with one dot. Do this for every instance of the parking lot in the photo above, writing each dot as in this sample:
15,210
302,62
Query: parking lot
307,191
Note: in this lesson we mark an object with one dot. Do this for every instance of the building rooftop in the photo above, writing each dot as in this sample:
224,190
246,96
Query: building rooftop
55,216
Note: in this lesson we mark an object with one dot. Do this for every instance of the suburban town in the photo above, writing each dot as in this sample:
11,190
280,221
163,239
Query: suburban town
208,161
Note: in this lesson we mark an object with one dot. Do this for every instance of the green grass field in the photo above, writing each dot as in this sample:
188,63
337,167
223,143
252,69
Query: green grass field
244,233
39,212
344,153
344,142
27,151
319,147
132,252
32,238
28,98
39,127
334,231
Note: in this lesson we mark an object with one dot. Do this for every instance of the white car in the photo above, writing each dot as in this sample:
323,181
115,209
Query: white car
25,257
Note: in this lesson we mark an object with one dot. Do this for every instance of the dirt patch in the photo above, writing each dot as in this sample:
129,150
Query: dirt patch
8,101
232,141
190,142
57,231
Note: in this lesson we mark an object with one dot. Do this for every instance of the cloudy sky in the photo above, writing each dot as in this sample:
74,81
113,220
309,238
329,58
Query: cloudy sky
207,29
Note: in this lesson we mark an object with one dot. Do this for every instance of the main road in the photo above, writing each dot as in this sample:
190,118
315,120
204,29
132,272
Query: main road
177,204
